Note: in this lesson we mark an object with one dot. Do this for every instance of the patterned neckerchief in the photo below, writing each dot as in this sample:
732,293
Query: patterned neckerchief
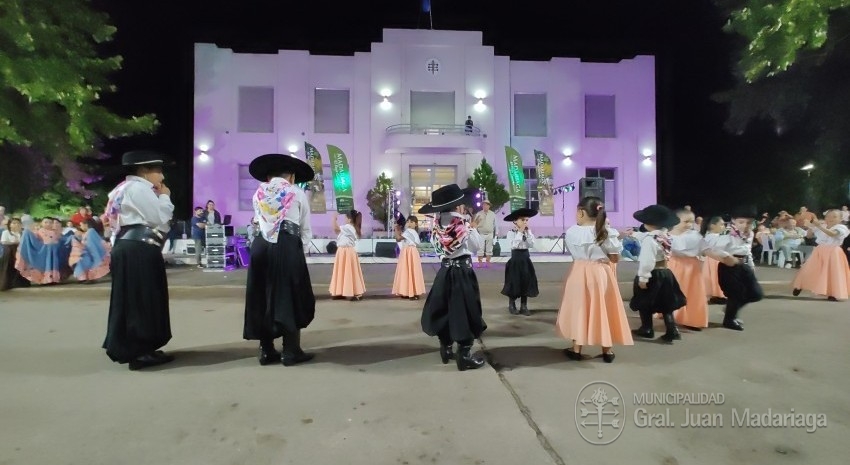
733,232
448,239
662,237
271,202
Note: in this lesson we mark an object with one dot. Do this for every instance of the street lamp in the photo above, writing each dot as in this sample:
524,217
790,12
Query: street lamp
808,169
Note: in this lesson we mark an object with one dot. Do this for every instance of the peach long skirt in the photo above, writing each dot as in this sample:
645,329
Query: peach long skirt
826,272
592,311
712,285
409,280
347,278
688,271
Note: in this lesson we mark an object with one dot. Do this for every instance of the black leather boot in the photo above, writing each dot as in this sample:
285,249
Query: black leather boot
523,306
465,360
730,318
446,352
292,353
267,354
512,307
672,333
645,329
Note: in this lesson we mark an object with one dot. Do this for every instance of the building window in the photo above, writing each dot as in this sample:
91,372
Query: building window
430,109
530,115
331,111
256,109
600,119
532,197
247,186
610,177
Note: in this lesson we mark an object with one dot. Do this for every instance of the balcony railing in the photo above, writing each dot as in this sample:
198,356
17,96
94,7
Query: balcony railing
434,129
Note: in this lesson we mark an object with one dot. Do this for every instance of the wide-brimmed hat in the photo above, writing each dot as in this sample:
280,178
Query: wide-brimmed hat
521,213
657,215
276,163
744,211
444,199
145,158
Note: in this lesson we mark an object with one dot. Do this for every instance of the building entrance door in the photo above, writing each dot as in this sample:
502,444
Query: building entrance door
427,179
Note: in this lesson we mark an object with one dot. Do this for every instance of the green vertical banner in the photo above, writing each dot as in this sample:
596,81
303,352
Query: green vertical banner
545,184
516,178
342,179
317,185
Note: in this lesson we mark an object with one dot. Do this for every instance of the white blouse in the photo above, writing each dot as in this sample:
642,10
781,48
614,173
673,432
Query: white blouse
409,238
614,236
517,242
689,244
581,242
9,237
823,238
347,236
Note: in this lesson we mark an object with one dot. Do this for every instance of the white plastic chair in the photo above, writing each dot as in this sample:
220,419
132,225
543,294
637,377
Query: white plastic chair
767,249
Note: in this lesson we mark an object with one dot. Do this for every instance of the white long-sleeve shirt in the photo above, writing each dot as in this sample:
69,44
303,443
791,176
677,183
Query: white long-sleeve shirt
727,244
614,236
581,242
347,236
409,238
139,204
651,252
516,240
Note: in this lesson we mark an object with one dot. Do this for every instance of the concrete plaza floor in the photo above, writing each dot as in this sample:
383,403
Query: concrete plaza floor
377,393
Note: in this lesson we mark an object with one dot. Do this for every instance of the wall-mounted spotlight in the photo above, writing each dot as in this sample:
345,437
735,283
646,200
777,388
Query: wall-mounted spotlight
480,106
568,156
203,157
647,157
385,103
292,149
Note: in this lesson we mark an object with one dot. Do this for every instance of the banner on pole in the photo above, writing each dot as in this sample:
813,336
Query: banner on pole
342,179
316,187
516,178
545,184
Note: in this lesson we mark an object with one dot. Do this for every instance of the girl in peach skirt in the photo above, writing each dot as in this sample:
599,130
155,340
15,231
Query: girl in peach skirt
347,278
592,310
826,272
409,281
711,231
688,247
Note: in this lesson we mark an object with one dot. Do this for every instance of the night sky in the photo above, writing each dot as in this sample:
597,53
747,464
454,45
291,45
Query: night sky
692,53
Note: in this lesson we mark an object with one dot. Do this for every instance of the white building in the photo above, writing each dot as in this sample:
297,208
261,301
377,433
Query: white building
400,109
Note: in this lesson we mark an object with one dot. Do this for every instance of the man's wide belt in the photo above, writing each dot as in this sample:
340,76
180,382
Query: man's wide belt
291,228
141,233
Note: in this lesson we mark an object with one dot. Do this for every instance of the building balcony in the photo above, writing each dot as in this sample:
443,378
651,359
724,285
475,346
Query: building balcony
444,138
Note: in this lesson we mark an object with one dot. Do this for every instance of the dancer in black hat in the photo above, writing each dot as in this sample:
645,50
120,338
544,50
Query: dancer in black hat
655,288
452,310
520,277
279,300
139,210
738,282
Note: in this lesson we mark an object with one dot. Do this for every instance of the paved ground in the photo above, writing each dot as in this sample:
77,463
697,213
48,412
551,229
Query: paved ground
378,394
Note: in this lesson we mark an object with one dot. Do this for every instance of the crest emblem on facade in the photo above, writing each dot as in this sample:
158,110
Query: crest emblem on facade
600,413
433,66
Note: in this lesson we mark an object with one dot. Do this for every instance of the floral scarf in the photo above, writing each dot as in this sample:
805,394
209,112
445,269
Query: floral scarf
733,232
662,237
447,240
271,202
113,205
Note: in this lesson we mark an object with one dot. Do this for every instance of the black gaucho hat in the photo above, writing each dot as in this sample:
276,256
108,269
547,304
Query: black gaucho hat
521,213
744,211
444,199
276,163
657,215
145,158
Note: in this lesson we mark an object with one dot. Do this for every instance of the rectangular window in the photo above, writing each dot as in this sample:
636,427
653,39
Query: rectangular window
600,119
247,186
532,197
530,115
610,177
256,109
331,111
428,109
